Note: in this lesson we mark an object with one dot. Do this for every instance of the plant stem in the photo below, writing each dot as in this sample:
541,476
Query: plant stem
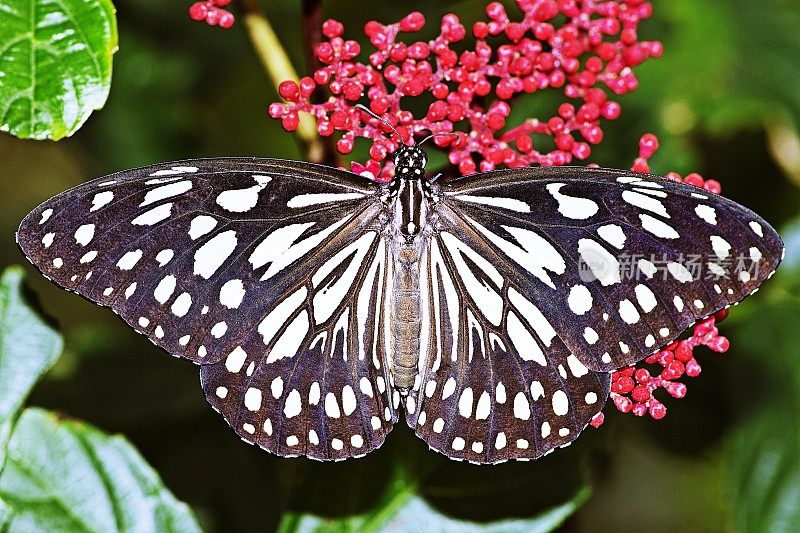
278,68
312,36
312,31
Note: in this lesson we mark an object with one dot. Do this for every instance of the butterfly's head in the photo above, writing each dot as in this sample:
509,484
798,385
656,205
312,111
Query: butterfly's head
409,162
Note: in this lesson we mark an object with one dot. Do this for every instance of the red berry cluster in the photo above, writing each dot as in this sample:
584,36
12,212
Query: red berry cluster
633,387
213,13
584,49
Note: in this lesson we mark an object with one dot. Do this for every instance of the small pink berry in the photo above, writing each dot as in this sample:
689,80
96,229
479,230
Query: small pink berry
289,90
198,11
413,22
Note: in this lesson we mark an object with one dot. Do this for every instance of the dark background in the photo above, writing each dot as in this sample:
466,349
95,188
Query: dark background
724,101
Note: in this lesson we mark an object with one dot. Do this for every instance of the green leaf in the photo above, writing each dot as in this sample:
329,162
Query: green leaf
28,348
763,452
413,513
62,475
407,487
55,64
764,458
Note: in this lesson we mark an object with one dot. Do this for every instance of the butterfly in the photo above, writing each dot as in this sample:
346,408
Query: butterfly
322,307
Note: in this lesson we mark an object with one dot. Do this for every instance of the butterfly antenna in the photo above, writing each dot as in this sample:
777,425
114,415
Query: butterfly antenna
369,111
434,135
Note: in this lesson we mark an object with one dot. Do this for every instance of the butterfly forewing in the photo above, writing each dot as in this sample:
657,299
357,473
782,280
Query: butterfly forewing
263,271
619,263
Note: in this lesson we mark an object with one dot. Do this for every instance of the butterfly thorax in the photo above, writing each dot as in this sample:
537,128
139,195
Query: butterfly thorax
409,193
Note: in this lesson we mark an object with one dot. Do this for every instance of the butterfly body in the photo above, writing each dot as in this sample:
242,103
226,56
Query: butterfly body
321,307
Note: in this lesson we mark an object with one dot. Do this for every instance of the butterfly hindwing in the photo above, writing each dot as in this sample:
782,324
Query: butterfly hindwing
496,382
262,271
326,397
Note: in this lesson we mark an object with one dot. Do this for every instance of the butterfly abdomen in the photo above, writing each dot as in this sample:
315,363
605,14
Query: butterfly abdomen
406,319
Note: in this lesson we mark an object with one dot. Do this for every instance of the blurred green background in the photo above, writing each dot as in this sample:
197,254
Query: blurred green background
724,101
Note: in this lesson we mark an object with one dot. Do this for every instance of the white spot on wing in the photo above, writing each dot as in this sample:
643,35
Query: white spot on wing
293,405
276,387
348,400
332,406
522,409
252,399
658,227
289,343
219,329
130,289
171,172
647,268
505,203
721,247
129,260
242,200
84,234
604,266
153,216
236,359
576,367
200,225
613,235
560,403
164,256
166,191
100,199
307,200
571,206
526,346
533,316
209,257
164,289
449,388
181,304
679,272
628,312
483,409
645,297
270,325
645,202
579,299
465,403
232,293
707,213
